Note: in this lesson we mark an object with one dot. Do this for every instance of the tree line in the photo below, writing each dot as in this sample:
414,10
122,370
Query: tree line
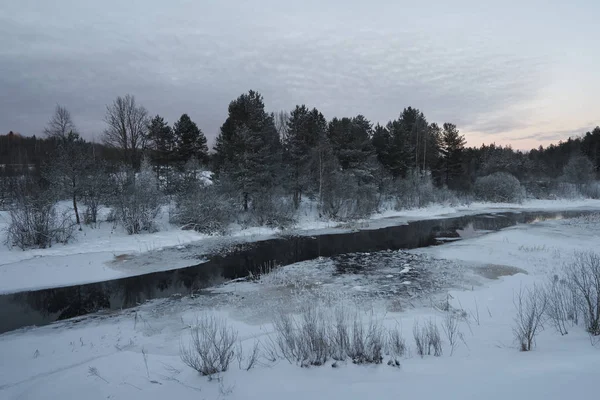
266,164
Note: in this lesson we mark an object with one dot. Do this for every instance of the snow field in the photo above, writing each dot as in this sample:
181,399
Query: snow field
103,357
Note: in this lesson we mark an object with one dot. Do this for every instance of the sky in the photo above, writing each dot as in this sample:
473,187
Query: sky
523,72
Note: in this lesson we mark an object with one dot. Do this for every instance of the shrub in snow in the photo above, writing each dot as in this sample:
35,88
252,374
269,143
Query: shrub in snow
531,306
272,210
349,195
204,208
417,190
34,220
562,306
583,275
499,187
315,336
579,170
450,327
137,199
427,338
366,345
396,344
94,192
304,340
212,346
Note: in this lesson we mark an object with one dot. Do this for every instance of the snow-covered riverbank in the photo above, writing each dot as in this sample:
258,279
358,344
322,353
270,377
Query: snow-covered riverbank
135,354
107,253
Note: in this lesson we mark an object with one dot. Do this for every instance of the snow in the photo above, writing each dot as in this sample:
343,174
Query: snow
103,357
107,253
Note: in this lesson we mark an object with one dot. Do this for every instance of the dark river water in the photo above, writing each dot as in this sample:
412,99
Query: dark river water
45,306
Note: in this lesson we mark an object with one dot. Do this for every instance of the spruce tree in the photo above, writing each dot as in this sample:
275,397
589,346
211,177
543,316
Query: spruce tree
161,143
248,149
305,130
191,142
452,147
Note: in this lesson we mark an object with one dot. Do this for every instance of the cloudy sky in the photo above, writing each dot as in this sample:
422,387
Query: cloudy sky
523,72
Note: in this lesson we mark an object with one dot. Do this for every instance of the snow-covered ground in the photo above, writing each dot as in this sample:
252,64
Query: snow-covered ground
134,354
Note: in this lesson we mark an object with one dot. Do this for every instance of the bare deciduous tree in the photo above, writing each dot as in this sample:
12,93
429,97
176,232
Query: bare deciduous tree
67,170
127,126
60,124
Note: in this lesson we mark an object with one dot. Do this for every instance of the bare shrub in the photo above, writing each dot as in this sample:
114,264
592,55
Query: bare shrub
34,220
499,187
315,336
583,275
427,338
204,208
531,306
272,210
349,195
366,345
450,326
420,336
137,199
94,192
211,346
434,340
562,306
248,362
303,340
340,334
396,344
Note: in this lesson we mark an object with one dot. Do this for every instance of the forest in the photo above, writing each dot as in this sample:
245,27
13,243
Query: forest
267,169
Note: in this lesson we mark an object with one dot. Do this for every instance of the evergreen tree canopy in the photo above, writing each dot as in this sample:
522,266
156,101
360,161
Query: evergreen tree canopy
351,140
305,131
248,147
191,142
452,146
161,141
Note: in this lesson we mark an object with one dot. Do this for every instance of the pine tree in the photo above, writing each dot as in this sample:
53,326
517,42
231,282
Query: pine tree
452,146
305,130
161,143
381,141
351,140
248,149
191,142
399,149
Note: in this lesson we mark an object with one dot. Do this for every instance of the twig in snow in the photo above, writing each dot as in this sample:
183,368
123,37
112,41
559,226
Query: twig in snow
93,371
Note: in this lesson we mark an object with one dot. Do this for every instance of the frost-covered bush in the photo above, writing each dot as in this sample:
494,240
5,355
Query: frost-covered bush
317,335
34,219
349,195
500,187
204,208
427,339
566,190
273,211
201,204
94,192
579,170
137,199
212,346
418,190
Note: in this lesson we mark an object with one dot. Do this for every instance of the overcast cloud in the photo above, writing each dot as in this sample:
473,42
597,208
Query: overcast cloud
521,71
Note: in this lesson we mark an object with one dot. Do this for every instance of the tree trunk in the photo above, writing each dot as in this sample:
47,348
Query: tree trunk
75,209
